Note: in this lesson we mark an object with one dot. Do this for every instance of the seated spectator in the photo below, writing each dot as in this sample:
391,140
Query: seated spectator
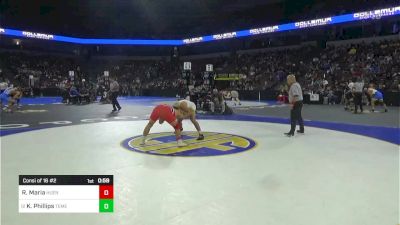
332,98
206,103
74,96
84,95
218,102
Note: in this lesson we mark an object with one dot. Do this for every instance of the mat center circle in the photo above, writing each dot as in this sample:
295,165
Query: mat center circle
213,144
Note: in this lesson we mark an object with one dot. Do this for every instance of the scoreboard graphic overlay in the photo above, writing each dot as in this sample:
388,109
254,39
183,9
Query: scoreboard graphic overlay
66,194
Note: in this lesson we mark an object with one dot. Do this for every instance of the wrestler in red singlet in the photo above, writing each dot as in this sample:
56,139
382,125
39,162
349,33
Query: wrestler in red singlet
165,113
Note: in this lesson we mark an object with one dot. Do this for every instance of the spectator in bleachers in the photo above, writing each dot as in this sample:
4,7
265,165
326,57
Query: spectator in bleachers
74,96
378,63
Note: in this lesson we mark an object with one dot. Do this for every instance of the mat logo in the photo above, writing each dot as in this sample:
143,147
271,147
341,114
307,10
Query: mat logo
213,144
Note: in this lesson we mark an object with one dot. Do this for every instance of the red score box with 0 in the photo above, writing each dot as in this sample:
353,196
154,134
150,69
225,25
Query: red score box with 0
106,192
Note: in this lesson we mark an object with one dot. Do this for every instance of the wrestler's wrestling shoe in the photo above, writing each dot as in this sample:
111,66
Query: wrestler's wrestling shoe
7,110
181,143
200,137
143,141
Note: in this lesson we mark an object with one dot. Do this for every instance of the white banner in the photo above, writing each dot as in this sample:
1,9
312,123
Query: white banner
209,67
187,65
314,97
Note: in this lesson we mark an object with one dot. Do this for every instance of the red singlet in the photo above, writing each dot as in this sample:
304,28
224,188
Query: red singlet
164,112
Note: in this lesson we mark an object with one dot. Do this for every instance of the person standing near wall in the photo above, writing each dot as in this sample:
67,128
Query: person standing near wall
296,101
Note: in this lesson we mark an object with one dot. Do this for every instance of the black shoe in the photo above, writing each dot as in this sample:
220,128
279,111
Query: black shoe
289,134
300,131
114,110
386,110
119,109
201,137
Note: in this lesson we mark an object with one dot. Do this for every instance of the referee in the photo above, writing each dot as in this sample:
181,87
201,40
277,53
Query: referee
114,90
296,100
358,92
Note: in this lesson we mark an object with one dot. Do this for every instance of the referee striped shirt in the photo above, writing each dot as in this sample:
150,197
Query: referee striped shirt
358,87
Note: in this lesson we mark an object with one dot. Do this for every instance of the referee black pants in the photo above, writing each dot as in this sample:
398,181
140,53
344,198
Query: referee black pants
114,100
295,116
358,101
